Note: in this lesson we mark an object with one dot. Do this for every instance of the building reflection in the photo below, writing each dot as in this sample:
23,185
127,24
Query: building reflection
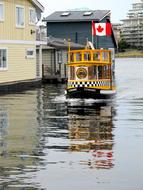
20,146
92,131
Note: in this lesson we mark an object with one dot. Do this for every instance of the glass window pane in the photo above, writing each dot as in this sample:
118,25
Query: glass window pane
1,12
20,16
3,61
32,16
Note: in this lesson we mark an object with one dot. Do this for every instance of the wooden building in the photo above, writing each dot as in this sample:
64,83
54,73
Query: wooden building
77,25
54,58
18,43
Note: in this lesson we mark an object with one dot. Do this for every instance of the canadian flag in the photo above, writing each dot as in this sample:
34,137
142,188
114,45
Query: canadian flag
101,29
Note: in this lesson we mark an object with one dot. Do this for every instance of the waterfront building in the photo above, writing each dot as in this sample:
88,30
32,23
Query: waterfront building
55,58
133,25
18,42
77,25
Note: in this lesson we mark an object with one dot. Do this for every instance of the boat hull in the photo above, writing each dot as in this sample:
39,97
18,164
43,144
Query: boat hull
87,93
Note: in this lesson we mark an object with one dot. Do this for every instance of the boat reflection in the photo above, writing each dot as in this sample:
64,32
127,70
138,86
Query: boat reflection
91,130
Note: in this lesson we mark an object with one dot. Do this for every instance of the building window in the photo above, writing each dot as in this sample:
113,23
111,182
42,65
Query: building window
3,59
1,12
59,56
32,16
30,53
19,16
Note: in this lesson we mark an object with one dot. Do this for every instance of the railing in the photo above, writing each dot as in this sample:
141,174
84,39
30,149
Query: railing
89,56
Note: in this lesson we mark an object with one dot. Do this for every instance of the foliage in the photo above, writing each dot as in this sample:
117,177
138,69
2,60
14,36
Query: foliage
123,45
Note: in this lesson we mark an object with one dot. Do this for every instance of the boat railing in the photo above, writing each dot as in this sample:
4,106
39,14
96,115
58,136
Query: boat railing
89,56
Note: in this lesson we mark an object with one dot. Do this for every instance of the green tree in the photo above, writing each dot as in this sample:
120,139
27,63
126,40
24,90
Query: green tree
123,45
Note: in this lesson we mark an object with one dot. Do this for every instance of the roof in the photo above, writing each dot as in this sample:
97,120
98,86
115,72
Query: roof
60,43
78,16
38,5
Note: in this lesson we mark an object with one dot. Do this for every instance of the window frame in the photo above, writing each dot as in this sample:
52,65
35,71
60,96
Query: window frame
17,25
2,19
31,56
4,68
33,9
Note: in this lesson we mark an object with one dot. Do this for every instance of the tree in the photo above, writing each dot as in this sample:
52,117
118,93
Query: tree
123,45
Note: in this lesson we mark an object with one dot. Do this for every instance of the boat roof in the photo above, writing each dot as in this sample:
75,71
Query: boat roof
77,16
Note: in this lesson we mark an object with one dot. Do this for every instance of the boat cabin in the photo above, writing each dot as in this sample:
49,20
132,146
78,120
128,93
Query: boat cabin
90,71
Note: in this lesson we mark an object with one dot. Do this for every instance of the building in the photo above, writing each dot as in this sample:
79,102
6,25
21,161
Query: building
77,25
41,33
133,25
117,29
18,42
55,58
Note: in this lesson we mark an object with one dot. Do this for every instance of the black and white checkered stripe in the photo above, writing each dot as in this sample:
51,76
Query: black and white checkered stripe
76,84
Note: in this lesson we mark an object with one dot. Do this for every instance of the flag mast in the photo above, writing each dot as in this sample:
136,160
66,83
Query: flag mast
92,31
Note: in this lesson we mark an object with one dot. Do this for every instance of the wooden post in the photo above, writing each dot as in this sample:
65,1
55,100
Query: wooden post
40,62
69,49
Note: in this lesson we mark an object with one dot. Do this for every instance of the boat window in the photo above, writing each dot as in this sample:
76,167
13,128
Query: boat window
78,56
100,68
92,72
72,73
104,72
96,56
71,57
87,56
105,56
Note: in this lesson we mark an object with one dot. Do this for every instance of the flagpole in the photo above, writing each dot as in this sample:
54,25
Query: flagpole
92,32
96,41
92,39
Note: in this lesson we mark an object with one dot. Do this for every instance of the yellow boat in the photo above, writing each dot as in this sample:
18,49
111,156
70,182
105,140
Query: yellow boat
90,73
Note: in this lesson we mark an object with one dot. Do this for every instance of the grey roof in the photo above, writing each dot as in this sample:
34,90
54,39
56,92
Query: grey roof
59,43
77,16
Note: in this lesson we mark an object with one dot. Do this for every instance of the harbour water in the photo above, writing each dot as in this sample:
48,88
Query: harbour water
49,142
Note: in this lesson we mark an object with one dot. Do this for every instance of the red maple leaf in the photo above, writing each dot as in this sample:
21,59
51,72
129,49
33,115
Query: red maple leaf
100,29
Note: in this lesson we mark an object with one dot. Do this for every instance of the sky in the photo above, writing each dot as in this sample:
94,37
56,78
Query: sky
118,8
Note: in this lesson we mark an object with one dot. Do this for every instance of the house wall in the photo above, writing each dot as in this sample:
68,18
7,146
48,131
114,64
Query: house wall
47,62
19,66
78,32
17,41
8,28
51,66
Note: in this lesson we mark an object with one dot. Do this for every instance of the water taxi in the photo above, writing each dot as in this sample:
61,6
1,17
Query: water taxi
90,73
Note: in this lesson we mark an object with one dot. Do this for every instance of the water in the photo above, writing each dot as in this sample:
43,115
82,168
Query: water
48,142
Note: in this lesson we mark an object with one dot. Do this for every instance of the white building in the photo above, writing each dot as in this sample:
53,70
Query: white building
133,25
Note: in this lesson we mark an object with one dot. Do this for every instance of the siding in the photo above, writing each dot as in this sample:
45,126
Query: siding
50,63
19,67
8,29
